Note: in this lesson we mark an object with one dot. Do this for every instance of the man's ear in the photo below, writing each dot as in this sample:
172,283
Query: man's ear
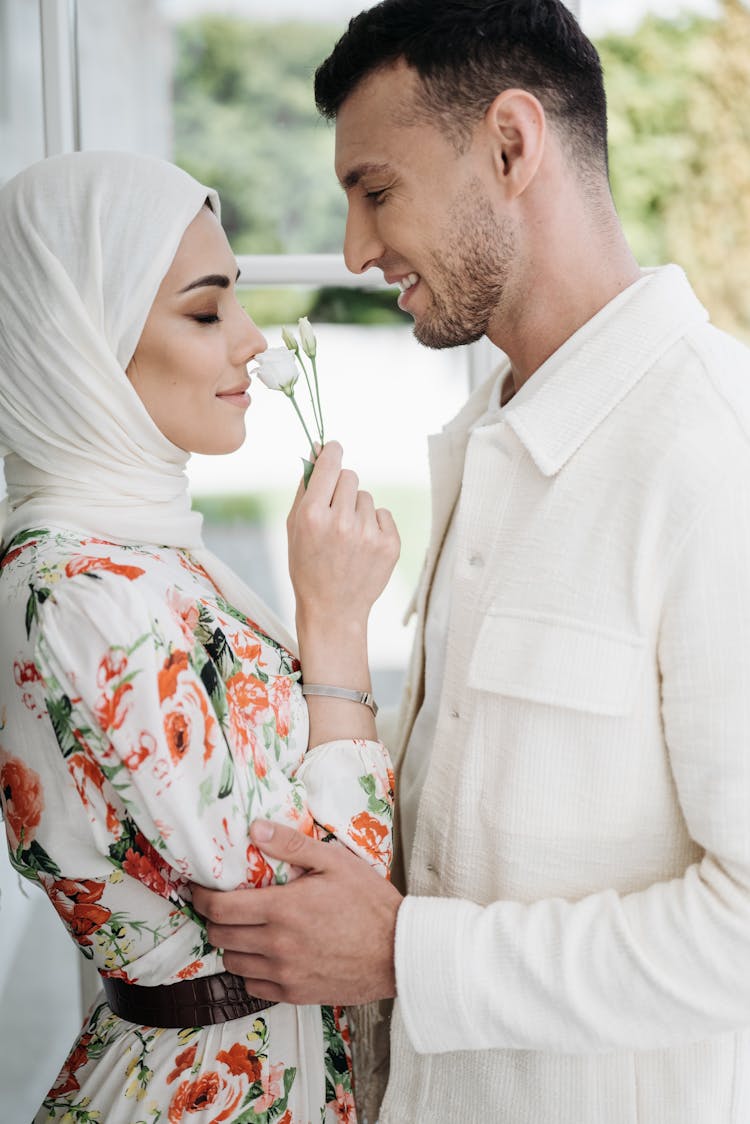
516,125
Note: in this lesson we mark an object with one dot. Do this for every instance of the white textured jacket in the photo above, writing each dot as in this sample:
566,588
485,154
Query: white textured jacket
575,944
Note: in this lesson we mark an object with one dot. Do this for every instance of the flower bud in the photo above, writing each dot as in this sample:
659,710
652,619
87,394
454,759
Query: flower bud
307,335
287,336
277,369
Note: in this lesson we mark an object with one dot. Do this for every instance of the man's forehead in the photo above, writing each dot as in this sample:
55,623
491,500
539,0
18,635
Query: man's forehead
366,146
373,124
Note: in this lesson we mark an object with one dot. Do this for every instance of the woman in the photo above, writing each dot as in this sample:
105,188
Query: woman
150,704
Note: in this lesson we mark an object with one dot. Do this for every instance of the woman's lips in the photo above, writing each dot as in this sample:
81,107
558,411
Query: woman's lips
239,398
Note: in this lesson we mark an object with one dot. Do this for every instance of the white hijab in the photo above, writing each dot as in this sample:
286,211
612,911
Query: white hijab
85,241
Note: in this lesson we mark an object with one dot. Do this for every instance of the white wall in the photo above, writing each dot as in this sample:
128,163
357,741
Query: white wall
40,995
21,121
125,78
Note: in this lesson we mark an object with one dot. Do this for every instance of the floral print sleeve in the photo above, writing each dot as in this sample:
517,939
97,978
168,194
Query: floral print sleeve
194,726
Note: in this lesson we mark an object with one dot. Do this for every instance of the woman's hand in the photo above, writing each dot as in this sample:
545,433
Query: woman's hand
341,554
341,549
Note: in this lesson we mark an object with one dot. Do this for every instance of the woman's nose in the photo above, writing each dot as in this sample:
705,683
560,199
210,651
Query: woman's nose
251,341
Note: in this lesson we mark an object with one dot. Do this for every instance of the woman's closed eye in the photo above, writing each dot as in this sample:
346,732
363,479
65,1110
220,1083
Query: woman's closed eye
206,317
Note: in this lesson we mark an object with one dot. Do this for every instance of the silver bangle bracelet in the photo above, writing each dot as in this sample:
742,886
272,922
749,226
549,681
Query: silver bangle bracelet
363,697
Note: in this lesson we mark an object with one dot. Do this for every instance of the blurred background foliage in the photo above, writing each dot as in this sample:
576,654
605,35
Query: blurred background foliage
245,122
680,151
679,146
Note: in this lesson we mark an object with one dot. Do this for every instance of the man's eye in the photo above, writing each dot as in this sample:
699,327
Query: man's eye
377,197
206,318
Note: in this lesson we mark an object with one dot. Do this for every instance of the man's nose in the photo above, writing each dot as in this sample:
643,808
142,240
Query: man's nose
363,248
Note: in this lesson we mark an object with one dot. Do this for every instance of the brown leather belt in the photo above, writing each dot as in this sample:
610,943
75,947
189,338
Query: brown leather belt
204,1001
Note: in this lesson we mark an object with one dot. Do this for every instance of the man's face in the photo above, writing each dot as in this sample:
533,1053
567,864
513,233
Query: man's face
422,212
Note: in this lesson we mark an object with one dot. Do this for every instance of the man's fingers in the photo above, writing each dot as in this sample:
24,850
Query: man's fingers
229,907
262,989
251,939
278,841
248,965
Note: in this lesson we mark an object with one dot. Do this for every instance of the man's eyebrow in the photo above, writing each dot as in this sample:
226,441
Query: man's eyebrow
352,177
219,280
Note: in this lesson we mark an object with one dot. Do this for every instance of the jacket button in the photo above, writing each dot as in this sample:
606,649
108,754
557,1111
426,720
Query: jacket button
455,714
476,560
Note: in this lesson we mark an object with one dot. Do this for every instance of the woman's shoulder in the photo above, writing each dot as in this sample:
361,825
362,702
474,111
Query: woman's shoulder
83,575
48,556
57,581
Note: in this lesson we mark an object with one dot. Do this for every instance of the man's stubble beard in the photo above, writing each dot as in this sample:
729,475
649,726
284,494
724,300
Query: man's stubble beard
470,273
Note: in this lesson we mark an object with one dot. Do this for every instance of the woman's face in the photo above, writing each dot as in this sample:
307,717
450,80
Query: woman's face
189,368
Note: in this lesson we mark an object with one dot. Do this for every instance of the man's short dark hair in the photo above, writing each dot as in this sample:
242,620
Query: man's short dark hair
466,52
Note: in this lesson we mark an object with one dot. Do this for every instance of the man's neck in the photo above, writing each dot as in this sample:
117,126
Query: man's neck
508,389
558,300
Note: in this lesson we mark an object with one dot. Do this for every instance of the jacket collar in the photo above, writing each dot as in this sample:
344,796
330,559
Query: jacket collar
553,416
571,394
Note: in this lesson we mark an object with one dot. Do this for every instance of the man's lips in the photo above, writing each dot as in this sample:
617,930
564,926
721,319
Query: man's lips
403,280
408,284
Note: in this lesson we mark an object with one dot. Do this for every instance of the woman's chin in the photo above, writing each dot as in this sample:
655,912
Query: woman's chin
228,441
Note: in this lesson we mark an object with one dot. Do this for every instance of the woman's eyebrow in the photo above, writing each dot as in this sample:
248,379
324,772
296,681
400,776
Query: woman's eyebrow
219,280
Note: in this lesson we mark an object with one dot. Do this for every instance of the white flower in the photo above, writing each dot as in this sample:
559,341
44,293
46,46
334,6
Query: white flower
277,369
307,335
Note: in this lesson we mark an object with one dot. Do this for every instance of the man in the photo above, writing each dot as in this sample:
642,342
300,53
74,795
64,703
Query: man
573,946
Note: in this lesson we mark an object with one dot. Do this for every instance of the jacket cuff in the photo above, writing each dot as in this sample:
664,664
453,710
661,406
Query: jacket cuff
432,955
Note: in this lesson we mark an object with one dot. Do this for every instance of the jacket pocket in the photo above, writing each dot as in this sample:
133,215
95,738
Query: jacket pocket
557,661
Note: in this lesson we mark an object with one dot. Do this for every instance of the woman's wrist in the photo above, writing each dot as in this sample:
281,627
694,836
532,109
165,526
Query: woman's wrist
334,652
314,623
338,719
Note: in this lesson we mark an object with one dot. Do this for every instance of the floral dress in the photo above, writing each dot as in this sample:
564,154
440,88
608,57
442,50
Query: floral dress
144,723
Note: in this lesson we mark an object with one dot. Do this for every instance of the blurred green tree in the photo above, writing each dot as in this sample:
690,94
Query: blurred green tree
680,151
679,143
245,122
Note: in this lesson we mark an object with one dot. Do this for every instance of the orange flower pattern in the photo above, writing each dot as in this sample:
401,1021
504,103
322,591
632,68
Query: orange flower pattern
209,1091
22,800
164,721
78,905
182,1062
97,564
241,1060
372,836
67,1082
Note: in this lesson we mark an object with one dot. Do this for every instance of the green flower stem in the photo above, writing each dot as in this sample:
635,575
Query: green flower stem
293,400
318,417
317,395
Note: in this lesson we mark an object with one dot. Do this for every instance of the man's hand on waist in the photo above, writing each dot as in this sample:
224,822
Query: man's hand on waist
326,937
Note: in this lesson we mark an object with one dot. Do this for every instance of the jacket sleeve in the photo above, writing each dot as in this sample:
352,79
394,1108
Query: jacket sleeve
192,749
646,970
